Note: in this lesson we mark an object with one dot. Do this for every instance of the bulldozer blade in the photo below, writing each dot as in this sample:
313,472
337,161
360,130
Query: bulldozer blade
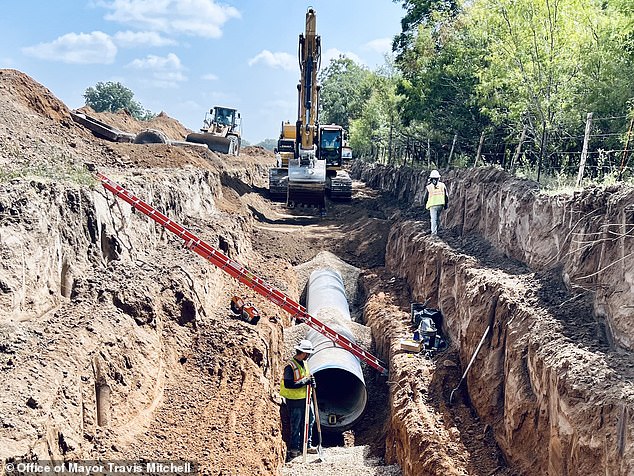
223,145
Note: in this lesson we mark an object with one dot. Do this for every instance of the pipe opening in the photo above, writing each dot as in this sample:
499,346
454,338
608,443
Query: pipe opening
342,398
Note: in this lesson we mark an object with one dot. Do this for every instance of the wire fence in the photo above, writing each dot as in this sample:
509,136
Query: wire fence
598,148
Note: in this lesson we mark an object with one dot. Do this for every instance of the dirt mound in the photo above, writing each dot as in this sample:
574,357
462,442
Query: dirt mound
170,126
33,95
124,121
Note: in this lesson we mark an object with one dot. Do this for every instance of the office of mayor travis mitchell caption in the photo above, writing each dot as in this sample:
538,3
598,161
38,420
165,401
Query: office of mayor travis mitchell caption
89,468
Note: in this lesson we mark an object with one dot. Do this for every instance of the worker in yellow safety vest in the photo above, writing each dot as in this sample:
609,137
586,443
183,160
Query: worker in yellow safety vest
435,200
296,378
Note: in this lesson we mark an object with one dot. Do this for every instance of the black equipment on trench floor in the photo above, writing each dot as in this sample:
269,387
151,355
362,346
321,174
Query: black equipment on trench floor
428,325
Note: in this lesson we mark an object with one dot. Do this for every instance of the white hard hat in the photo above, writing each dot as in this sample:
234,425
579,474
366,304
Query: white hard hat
305,346
434,174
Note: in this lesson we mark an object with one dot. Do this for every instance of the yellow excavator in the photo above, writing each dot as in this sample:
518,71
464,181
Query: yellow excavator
221,131
317,150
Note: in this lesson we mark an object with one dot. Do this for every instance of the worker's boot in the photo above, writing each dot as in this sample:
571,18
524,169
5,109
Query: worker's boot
312,450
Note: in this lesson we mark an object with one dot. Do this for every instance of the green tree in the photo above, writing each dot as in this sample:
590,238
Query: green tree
547,62
439,59
268,144
508,66
343,91
112,97
377,129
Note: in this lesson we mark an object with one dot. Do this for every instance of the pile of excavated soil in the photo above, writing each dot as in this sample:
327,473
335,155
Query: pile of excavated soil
32,96
123,121
39,138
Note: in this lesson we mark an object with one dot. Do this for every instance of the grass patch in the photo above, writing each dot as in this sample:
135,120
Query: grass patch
48,165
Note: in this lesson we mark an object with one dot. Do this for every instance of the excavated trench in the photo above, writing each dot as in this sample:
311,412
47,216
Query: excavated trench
117,343
147,362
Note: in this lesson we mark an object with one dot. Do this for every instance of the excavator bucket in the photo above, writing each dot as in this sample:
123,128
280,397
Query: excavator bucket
306,194
224,145
307,184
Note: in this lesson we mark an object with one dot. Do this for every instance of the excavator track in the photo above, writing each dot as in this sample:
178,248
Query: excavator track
339,187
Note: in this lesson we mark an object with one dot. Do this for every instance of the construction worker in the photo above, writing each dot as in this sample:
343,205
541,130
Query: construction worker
278,158
293,388
435,200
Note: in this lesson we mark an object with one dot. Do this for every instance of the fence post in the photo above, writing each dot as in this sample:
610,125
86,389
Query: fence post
479,149
518,151
627,144
584,150
453,146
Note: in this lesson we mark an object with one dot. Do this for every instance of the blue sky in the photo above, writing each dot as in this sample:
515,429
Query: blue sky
185,56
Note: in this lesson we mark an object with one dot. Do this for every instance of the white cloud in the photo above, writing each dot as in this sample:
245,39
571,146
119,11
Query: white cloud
334,53
210,77
165,71
380,45
141,38
275,60
190,17
78,48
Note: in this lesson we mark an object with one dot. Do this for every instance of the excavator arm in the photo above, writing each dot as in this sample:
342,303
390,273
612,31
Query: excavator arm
309,53
306,172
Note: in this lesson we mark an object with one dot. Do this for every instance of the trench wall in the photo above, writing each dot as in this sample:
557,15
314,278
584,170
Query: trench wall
557,408
97,302
590,234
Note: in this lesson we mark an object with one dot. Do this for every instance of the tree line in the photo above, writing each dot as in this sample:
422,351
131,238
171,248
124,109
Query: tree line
505,82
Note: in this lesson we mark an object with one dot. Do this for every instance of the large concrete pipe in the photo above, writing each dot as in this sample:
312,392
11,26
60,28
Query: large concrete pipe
341,391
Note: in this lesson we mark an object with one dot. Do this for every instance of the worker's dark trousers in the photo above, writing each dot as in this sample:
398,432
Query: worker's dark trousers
296,411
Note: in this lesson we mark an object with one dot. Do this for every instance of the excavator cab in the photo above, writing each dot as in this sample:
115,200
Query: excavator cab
331,150
330,144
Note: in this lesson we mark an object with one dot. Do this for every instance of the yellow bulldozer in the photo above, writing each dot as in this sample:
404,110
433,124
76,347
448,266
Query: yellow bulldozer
221,131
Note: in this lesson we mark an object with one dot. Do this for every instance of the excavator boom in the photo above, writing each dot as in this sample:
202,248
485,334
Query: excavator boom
306,171
309,63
